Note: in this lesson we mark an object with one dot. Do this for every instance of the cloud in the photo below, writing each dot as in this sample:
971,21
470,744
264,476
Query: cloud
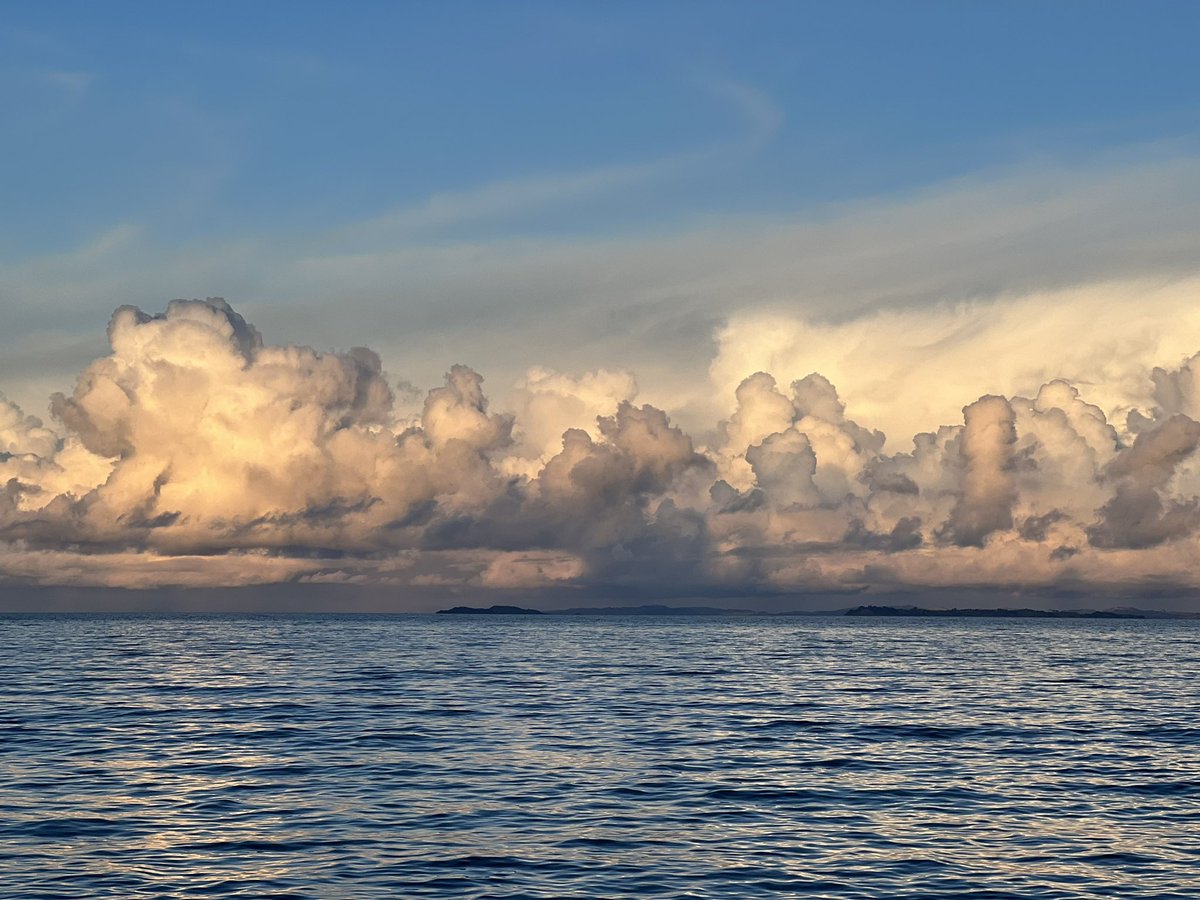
1138,515
197,453
72,83
22,435
958,271
1106,338
988,492
513,197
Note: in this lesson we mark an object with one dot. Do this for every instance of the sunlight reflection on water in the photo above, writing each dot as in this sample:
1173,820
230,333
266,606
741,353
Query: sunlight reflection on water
559,757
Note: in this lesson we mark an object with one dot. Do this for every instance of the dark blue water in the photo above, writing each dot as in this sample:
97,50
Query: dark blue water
549,757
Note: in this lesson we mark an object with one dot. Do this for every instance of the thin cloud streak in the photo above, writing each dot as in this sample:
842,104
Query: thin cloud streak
653,302
505,199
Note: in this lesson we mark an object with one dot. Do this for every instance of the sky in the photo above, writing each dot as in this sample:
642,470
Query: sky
769,304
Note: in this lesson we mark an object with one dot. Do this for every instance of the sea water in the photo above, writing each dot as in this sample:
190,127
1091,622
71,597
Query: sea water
545,756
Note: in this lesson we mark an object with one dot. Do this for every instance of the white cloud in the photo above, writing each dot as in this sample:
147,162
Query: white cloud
198,454
908,370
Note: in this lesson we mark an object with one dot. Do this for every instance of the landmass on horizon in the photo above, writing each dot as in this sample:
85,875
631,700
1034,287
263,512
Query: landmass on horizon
855,611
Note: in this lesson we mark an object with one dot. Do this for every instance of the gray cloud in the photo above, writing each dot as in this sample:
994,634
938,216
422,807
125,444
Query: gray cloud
1138,515
987,493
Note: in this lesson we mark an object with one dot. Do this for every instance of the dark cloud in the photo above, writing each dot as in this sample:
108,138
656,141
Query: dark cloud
1138,515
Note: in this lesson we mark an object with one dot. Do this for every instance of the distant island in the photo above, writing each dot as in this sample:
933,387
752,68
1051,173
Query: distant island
871,610
997,613
645,610
495,610
650,610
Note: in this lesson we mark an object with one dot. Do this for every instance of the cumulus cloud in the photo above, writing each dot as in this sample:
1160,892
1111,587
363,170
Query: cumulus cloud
987,492
938,356
196,453
547,403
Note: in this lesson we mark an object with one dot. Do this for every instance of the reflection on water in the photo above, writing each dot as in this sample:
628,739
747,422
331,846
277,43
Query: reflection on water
552,757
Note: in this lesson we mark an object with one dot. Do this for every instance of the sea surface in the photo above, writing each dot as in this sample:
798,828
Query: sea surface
461,756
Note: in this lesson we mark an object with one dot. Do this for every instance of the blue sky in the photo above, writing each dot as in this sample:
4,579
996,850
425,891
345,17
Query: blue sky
576,185
224,119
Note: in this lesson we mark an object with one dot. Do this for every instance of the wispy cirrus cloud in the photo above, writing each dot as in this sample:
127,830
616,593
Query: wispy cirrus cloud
73,82
663,304
497,200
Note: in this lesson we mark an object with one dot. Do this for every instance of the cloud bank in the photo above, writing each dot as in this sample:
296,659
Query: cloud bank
198,454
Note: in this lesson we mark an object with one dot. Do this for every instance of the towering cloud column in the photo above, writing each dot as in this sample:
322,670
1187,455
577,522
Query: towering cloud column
986,446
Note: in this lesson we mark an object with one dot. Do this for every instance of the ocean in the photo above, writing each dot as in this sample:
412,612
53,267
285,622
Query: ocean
539,757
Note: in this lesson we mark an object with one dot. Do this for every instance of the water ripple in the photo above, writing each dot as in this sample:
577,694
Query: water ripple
355,757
